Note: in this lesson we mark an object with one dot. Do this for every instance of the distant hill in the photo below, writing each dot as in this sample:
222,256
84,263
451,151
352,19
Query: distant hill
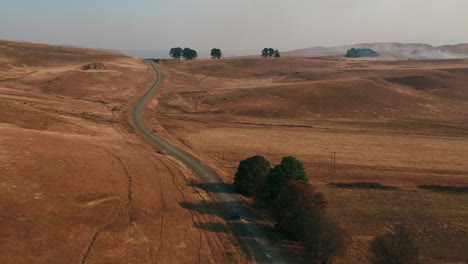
100,49
397,50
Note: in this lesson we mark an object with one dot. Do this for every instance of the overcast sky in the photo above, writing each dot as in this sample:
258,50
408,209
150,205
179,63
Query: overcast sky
233,24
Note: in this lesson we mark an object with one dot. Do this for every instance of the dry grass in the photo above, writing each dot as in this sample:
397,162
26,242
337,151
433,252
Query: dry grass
395,123
438,220
77,184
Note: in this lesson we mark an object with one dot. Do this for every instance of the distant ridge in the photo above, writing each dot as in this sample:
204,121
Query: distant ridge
391,49
80,47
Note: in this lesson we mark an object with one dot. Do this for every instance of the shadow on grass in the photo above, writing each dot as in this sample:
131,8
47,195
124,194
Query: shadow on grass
213,227
444,189
362,185
204,208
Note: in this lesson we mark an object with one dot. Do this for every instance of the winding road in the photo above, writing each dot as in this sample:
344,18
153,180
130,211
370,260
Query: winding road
254,240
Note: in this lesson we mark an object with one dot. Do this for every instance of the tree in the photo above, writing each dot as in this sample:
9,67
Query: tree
251,175
356,53
193,54
290,169
323,238
265,52
189,54
186,53
176,53
216,53
277,54
297,203
271,52
394,247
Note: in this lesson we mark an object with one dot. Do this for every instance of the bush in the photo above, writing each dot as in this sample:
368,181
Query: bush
251,175
394,247
290,169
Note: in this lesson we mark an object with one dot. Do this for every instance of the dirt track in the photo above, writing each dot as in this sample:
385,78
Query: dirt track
77,185
262,249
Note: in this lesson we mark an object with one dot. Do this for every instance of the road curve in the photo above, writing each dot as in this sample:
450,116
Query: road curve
260,247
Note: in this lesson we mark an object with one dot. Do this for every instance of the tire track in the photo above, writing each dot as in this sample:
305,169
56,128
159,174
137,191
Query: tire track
161,216
120,212
120,129
200,238
163,203
94,238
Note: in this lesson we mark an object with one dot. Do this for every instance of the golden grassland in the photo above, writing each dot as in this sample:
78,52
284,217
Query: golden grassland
397,123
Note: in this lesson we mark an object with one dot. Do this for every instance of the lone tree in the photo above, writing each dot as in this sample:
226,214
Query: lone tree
216,53
394,247
251,175
277,54
189,54
265,52
297,204
323,239
290,169
176,53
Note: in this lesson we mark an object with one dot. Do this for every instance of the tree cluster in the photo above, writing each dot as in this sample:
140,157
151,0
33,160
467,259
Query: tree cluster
357,53
298,209
216,53
187,53
268,52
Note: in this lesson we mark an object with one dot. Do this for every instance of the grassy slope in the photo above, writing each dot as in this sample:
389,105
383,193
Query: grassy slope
400,123
77,184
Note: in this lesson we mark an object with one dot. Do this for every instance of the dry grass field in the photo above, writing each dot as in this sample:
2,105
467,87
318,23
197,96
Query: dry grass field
400,124
77,184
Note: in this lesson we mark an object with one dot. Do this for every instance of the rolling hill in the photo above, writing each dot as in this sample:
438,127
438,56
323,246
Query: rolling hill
391,50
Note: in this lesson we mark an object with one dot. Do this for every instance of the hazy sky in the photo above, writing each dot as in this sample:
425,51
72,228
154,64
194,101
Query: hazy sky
233,24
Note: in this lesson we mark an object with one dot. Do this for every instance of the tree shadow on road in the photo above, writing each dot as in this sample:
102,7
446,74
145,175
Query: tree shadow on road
227,210
246,228
241,229
216,187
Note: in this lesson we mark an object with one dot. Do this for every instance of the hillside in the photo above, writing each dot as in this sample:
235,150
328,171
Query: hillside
77,184
394,125
391,50
325,89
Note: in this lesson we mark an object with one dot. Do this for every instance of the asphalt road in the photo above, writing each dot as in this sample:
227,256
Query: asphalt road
254,240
